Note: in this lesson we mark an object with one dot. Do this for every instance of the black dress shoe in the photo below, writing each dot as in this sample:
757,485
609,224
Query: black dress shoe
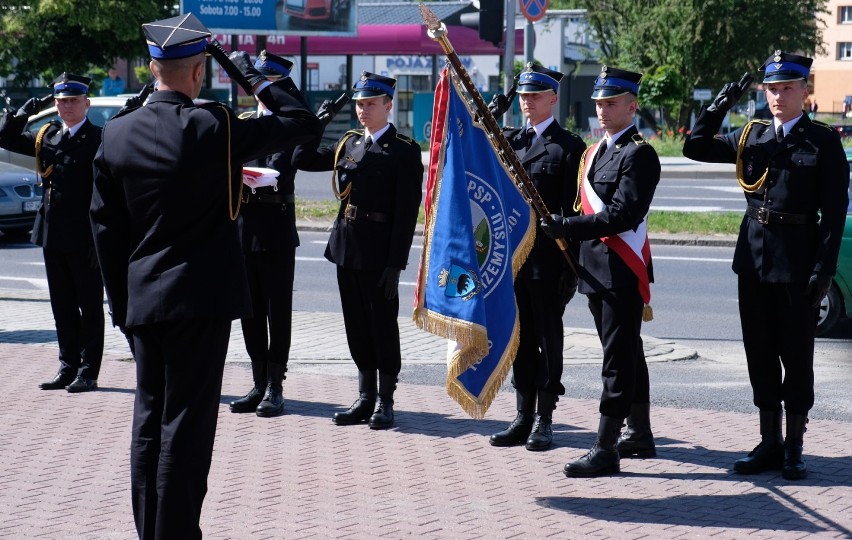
541,436
273,402
766,456
358,412
82,384
383,415
517,432
598,462
58,383
247,403
635,443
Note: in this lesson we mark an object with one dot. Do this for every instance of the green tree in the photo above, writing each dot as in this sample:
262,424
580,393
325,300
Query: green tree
681,45
46,37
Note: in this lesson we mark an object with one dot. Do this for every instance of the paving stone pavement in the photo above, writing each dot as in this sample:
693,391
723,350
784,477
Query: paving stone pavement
64,470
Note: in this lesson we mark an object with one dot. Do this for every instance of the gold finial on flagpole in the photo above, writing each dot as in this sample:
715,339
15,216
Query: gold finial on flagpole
432,22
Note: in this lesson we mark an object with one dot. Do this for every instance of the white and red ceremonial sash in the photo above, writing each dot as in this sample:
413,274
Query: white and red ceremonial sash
632,246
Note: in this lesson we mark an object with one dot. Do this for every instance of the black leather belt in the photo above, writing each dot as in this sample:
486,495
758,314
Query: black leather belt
269,198
765,216
352,212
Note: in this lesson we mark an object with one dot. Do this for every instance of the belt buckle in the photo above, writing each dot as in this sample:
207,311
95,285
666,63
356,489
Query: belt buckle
763,215
350,212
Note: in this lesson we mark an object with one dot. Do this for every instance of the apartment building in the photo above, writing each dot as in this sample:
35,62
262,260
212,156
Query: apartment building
832,72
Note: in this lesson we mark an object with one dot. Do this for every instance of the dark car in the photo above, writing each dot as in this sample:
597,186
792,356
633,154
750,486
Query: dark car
838,302
20,196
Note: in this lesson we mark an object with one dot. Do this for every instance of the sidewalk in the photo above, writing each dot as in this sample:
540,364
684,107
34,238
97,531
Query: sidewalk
64,457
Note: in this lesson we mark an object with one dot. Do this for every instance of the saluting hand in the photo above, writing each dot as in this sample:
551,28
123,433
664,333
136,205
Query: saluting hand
243,63
730,94
30,107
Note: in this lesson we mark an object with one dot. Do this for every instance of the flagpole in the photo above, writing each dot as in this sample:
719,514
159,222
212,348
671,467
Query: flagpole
437,30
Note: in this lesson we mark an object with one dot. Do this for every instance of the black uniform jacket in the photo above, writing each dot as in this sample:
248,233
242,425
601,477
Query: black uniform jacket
62,222
167,246
625,179
551,163
269,226
807,175
386,179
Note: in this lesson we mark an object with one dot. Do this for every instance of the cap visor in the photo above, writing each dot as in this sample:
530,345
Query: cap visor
533,89
367,94
782,77
609,93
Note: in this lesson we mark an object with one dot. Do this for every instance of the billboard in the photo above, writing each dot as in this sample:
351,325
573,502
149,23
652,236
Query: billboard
294,17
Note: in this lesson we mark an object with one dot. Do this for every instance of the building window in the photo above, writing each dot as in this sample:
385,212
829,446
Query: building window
845,14
844,50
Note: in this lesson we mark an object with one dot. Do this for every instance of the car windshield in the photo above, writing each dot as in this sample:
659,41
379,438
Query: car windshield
97,115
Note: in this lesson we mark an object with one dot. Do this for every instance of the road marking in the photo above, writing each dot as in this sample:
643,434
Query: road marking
690,259
726,199
689,208
38,283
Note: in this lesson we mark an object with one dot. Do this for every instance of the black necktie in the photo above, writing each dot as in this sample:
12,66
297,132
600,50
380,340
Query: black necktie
530,137
779,133
368,142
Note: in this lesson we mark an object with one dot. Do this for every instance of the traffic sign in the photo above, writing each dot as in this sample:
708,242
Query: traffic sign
702,94
534,10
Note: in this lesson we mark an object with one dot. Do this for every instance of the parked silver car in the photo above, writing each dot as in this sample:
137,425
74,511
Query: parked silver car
20,197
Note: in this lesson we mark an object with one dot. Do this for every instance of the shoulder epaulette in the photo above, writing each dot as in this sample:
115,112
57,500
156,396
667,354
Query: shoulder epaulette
637,138
763,122
212,105
406,139
822,124
123,111
245,115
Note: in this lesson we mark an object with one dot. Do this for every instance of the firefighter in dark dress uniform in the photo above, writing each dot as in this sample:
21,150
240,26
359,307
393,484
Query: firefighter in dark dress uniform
618,178
167,182
380,174
269,238
551,157
795,177
64,153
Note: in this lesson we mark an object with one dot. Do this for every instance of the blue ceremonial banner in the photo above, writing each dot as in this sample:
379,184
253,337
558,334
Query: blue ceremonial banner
479,230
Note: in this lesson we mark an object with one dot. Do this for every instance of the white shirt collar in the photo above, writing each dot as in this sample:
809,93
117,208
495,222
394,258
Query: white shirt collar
377,135
541,126
788,126
610,140
73,129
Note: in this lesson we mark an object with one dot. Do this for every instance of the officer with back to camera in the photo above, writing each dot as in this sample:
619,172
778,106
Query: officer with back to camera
167,182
